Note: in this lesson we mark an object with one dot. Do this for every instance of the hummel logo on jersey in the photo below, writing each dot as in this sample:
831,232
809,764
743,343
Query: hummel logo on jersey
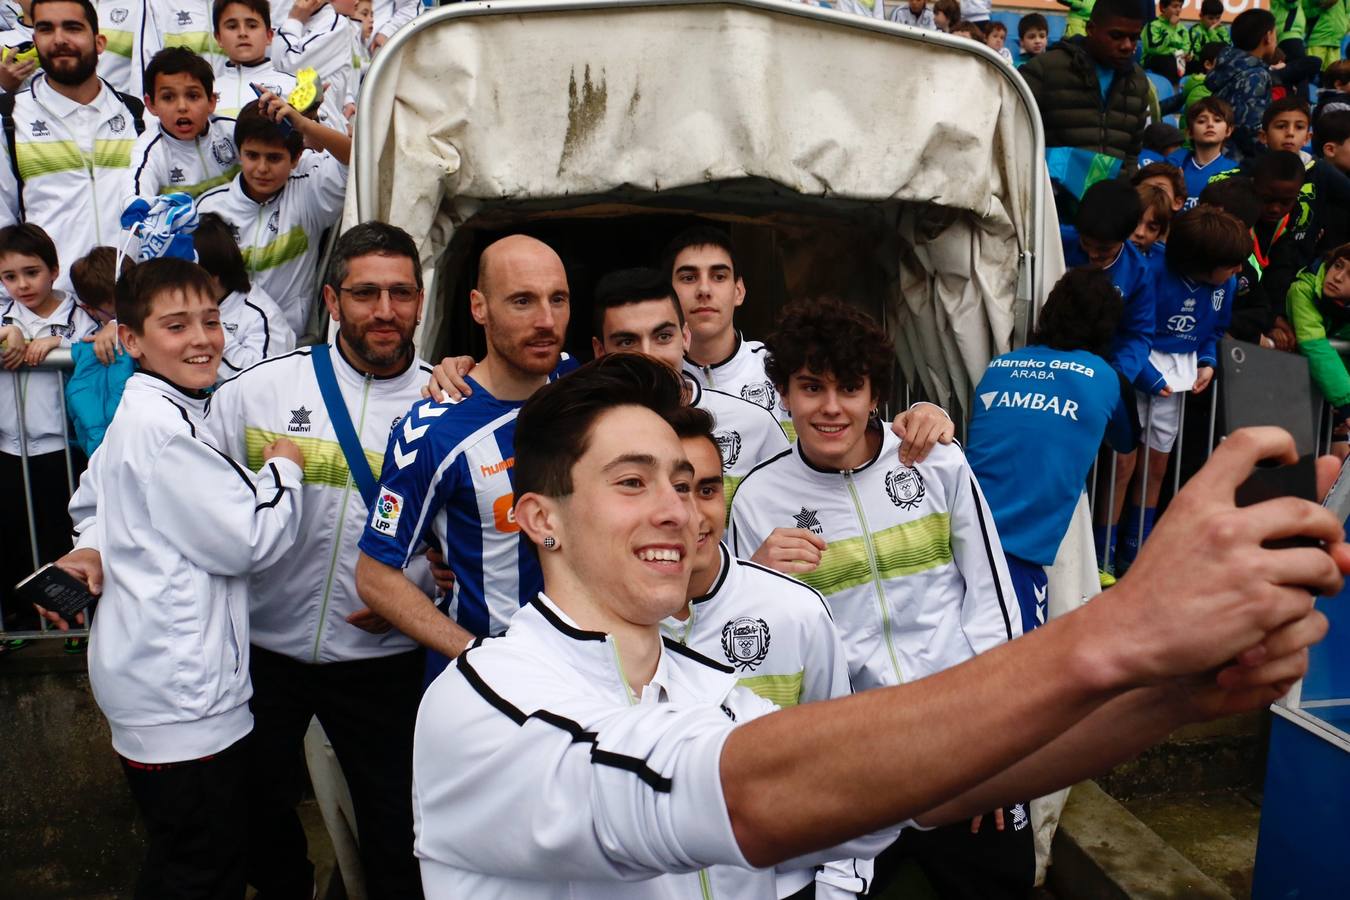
745,642
274,221
299,420
184,17
905,487
40,129
231,327
118,123
809,519
118,16
176,176
761,394
1037,402
729,445
1019,817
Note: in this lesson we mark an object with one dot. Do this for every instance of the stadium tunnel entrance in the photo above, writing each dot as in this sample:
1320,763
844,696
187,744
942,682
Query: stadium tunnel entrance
791,248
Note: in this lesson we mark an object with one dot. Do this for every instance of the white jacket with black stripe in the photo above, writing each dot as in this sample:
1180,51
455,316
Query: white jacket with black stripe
914,571
180,526
255,329
541,773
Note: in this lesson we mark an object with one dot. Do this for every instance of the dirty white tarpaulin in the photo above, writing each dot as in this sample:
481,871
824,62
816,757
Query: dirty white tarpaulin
480,104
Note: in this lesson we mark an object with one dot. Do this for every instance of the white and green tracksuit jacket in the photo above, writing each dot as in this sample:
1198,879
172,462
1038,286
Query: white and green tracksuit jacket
299,604
777,634
746,435
76,167
280,237
163,164
185,23
128,26
234,85
742,375
914,572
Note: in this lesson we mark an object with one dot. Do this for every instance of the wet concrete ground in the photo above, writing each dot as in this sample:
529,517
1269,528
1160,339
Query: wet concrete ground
1215,830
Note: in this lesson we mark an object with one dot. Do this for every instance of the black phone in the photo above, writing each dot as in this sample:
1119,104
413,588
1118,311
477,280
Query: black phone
1267,387
56,590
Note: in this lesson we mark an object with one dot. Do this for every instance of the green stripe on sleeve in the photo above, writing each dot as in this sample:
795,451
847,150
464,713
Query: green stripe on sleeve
784,690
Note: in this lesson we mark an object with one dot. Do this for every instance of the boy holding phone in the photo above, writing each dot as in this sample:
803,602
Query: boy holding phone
179,523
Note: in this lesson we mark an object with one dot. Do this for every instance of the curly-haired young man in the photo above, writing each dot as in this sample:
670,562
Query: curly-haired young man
907,557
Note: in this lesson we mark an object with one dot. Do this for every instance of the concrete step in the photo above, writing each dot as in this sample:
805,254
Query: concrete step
1103,852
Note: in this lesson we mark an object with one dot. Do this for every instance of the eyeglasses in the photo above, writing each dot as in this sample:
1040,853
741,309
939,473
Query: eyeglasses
369,293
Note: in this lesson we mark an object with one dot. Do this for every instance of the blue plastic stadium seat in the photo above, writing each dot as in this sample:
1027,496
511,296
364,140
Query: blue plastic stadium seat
1161,85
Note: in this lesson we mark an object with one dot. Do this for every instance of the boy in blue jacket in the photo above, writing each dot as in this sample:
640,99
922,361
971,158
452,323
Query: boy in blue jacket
1206,249
1100,237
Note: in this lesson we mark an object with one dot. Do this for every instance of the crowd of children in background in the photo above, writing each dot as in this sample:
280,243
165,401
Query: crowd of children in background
195,100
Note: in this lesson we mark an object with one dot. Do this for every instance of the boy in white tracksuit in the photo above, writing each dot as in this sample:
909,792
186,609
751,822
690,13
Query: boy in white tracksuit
255,327
179,527
907,557
244,32
192,150
279,212
311,653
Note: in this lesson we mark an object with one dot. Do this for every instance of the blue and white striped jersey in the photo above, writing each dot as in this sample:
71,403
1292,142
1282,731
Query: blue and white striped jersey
447,482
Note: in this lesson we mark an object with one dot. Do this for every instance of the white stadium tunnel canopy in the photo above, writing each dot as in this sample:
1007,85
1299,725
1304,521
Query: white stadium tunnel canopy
899,169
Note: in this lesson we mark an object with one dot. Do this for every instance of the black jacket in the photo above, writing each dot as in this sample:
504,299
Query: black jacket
1064,82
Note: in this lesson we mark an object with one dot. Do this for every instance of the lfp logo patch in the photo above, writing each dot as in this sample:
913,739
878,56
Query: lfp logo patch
388,508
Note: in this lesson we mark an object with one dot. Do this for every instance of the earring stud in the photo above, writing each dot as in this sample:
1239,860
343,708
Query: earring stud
550,543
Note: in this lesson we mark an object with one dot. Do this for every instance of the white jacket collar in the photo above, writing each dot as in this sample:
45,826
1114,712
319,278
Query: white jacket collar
681,674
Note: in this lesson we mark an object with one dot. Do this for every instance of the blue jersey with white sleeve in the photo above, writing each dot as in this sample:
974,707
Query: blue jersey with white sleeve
1133,275
1192,316
1040,415
447,482
1196,175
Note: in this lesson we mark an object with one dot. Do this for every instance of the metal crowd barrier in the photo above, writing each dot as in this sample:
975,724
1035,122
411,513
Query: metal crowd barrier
60,361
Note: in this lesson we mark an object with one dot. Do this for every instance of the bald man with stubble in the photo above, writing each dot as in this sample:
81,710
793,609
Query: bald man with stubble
447,481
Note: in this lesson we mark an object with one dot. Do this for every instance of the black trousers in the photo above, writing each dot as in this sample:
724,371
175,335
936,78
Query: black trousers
368,708
195,817
989,865
51,496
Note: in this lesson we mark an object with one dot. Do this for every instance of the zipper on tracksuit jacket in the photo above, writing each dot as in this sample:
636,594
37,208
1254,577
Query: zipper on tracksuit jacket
337,534
705,885
875,569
